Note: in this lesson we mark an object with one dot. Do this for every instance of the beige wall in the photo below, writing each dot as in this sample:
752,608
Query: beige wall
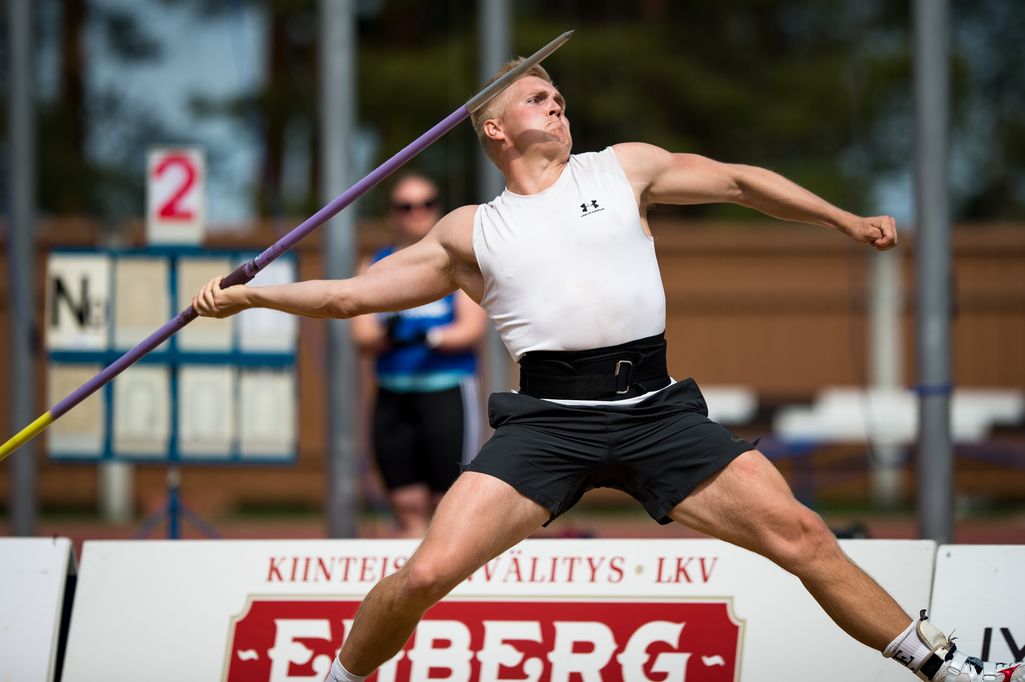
777,307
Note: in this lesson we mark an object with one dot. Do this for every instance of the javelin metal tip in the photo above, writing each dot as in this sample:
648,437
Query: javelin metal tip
482,97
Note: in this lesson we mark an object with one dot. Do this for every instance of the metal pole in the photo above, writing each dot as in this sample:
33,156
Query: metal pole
935,454
115,481
887,370
338,93
21,258
174,503
496,48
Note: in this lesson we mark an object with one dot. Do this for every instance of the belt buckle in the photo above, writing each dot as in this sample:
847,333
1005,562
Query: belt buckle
619,373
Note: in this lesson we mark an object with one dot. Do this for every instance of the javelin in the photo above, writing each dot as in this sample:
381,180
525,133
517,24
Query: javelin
246,272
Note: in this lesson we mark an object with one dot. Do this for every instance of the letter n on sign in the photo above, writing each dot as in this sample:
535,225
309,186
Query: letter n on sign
174,196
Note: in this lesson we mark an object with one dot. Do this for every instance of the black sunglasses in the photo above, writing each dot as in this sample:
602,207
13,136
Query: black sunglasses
409,206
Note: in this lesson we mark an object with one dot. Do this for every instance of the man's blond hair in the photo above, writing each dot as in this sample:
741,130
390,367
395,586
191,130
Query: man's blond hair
490,108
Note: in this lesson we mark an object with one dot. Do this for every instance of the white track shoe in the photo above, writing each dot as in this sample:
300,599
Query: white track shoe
947,664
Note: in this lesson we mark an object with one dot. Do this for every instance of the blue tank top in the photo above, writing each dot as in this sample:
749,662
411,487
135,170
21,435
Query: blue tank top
414,367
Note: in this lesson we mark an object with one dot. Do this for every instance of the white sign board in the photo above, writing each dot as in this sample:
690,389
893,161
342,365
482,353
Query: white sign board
77,301
174,196
142,411
79,433
267,413
265,330
33,574
204,333
141,303
978,591
206,411
632,610
203,395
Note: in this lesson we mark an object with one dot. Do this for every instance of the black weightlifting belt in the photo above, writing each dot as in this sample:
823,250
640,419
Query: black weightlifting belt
611,373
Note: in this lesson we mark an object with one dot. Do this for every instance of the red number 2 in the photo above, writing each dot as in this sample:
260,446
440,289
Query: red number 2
170,209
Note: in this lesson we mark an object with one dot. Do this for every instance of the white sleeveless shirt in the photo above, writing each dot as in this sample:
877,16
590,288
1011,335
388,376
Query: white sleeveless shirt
570,268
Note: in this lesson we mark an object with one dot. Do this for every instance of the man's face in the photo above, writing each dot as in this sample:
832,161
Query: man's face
535,112
414,208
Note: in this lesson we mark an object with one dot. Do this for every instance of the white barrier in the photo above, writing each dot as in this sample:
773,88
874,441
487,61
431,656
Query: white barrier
631,610
33,575
889,416
730,405
978,589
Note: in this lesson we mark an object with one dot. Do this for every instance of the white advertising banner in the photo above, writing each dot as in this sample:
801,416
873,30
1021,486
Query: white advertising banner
33,574
553,610
978,591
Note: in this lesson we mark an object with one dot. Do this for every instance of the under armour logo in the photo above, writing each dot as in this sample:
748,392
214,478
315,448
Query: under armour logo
903,658
590,208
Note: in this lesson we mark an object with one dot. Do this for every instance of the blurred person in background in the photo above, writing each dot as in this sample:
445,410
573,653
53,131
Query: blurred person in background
425,421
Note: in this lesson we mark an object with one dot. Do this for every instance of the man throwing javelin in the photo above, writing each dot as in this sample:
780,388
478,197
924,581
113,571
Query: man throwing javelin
564,264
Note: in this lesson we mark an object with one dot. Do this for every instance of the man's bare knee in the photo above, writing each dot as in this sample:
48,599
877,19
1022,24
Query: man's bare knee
802,540
425,582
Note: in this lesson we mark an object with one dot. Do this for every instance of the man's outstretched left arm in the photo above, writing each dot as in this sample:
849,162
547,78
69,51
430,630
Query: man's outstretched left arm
661,177
413,276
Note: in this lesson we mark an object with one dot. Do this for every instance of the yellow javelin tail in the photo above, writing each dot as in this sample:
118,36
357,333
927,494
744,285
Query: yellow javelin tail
25,435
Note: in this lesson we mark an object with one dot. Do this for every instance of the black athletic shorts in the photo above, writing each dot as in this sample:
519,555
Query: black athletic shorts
657,451
425,437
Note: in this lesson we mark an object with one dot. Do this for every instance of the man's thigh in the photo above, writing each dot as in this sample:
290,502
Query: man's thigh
478,518
742,503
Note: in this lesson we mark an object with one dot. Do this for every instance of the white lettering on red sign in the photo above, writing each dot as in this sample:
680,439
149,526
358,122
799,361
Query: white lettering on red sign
529,641
498,649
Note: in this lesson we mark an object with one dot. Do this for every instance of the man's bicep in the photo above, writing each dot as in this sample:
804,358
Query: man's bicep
662,177
693,179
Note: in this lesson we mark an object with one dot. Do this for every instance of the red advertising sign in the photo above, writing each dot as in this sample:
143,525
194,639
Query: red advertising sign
278,640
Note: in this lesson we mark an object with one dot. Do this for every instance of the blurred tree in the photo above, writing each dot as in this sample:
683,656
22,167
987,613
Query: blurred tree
408,51
821,92
281,114
988,159
789,84
86,130
782,84
818,91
